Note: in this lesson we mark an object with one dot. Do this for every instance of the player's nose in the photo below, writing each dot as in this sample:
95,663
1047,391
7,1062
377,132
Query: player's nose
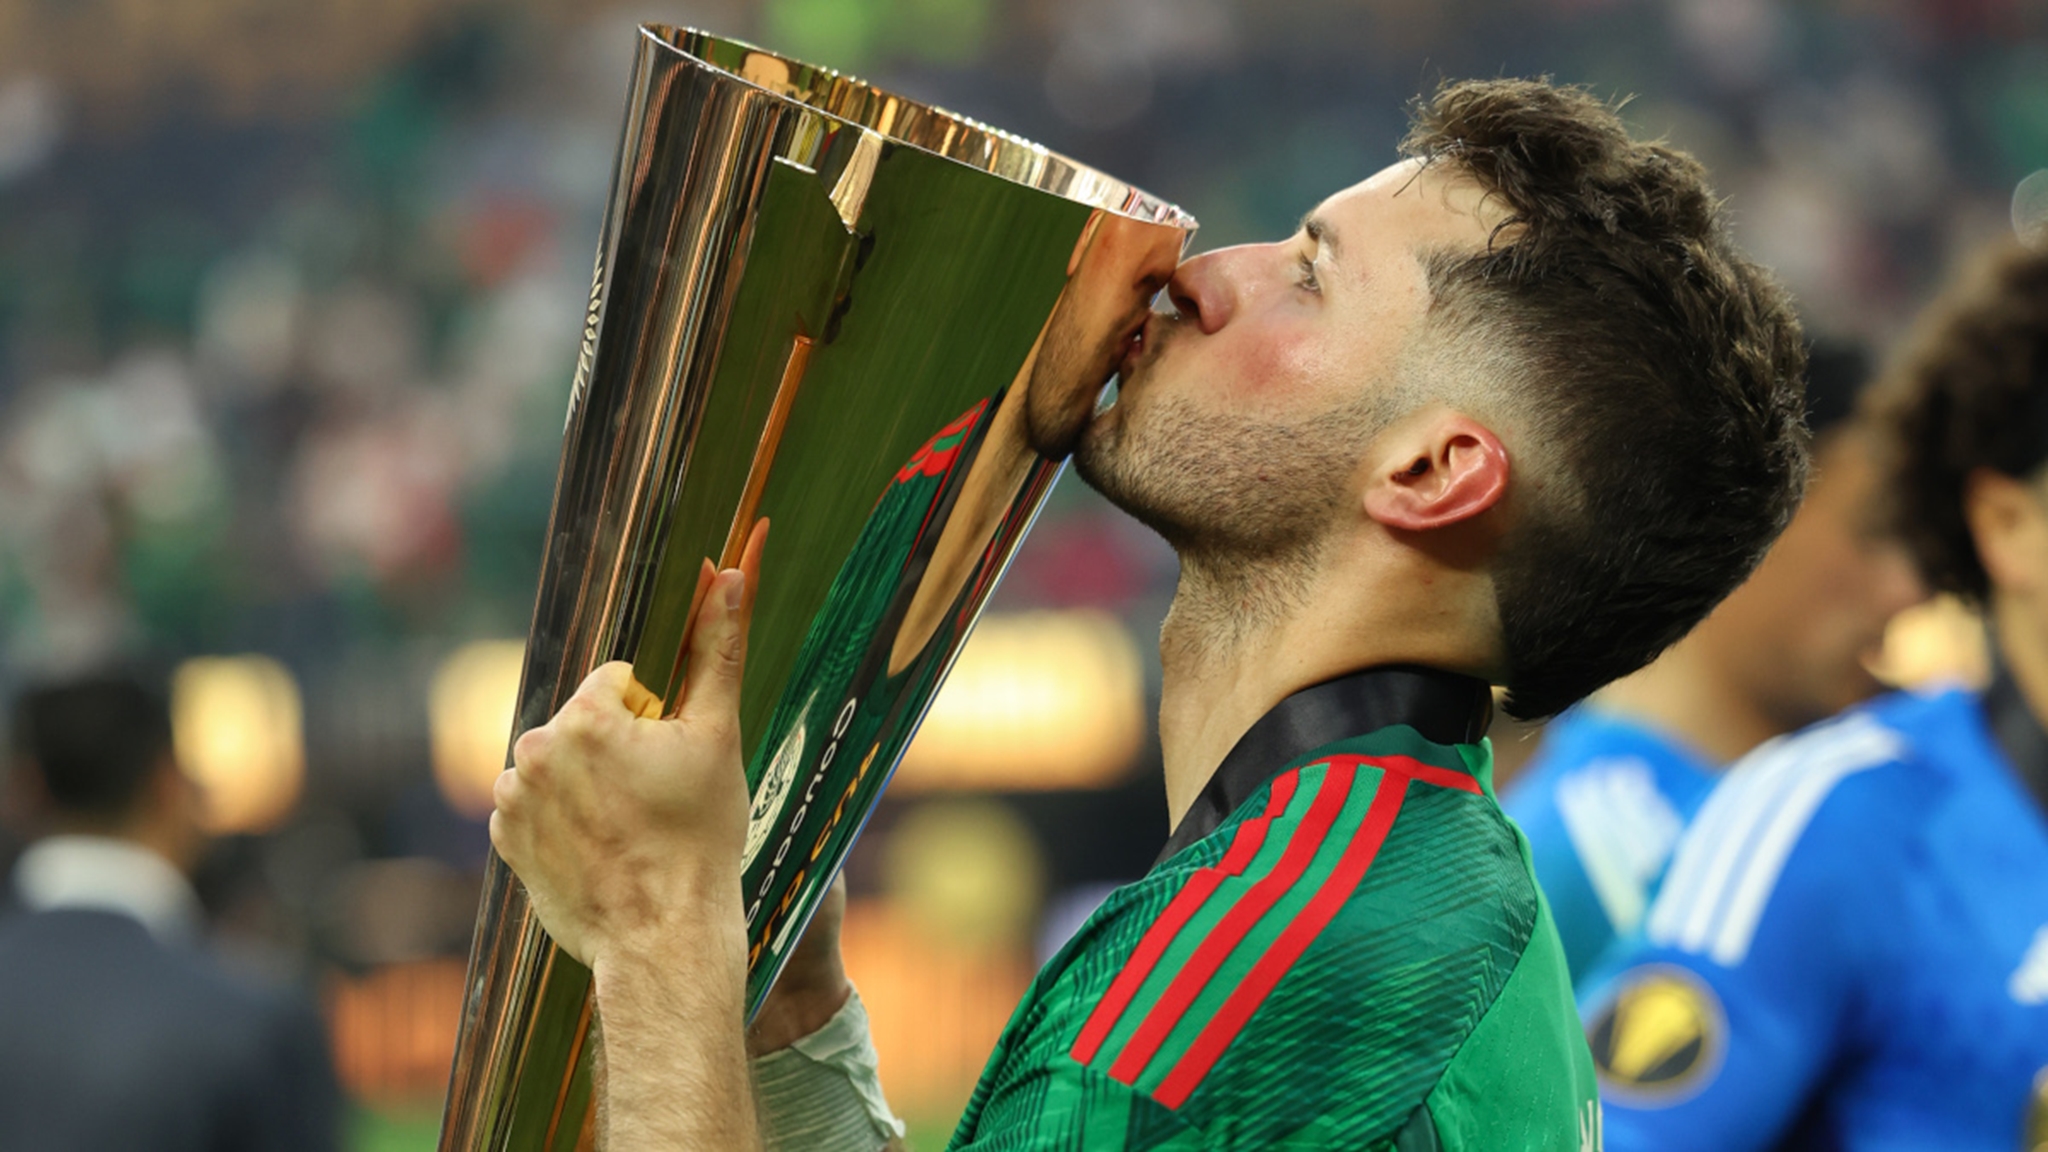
1206,289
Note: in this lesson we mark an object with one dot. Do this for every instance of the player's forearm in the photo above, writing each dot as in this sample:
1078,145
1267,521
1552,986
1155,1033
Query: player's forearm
672,1051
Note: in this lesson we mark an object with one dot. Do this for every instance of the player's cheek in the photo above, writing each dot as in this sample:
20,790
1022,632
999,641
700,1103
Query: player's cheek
1278,364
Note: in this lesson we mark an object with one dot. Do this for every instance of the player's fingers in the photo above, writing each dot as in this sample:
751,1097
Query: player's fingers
507,791
530,750
505,839
707,575
641,701
750,566
718,651
609,690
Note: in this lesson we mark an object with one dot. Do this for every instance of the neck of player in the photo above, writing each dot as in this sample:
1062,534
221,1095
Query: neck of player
1241,637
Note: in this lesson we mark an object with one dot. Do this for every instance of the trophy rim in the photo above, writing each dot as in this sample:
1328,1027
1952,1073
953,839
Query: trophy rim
967,141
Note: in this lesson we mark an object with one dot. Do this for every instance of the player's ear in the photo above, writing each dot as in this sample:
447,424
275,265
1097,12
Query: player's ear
1443,469
2008,526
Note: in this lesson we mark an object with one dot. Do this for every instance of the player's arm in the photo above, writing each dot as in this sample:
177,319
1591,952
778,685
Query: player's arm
628,831
816,1077
1748,987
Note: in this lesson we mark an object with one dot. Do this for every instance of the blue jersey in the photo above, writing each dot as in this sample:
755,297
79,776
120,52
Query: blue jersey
1850,951
1602,803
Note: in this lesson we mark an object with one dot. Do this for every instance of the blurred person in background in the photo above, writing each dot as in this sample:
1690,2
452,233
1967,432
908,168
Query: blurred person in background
117,1030
1616,778
1851,948
1342,945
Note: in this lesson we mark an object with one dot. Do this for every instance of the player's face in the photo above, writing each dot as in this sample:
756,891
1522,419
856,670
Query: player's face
1241,420
1801,631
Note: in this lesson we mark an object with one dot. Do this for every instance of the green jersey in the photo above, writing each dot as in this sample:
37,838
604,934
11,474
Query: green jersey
1344,947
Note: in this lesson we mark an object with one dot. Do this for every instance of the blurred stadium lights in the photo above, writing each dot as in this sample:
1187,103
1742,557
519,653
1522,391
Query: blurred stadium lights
1037,701
393,1030
943,953
968,871
469,714
935,1006
31,125
237,724
395,911
1937,642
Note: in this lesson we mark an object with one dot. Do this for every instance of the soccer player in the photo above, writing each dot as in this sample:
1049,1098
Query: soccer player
1512,411
1851,949
1616,778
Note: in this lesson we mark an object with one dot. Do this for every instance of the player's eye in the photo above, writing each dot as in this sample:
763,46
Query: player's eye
1307,281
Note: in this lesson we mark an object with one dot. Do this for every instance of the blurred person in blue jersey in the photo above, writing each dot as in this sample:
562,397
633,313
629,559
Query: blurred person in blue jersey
117,1029
1850,950
1615,779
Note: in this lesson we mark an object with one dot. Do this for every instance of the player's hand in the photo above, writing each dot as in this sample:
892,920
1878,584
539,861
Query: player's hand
813,986
628,828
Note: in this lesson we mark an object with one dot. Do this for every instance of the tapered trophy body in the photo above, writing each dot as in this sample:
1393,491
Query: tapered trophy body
882,327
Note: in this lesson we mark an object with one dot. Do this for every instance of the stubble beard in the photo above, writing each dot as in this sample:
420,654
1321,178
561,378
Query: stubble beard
1247,505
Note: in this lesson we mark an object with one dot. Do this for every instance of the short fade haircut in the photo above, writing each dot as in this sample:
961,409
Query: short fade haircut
1658,370
1969,391
93,742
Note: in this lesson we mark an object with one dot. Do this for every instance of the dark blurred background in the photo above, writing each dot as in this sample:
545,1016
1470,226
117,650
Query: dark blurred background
289,295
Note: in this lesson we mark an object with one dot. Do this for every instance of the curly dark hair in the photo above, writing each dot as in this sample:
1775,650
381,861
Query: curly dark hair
1969,391
1657,369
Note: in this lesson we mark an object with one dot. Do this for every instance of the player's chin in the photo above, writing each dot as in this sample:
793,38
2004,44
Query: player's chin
1095,448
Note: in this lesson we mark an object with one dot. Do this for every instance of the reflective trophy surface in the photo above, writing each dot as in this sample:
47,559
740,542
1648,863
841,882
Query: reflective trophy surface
880,326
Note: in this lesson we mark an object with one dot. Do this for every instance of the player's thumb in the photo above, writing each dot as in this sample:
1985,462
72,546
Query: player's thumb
718,654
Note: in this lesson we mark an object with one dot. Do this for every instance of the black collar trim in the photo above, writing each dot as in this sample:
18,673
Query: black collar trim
2018,733
1444,707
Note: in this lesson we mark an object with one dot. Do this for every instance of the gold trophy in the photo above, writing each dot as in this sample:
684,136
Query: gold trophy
877,324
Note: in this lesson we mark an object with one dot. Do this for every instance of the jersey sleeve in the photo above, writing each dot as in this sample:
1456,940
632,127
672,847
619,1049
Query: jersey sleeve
1719,1021
1065,1106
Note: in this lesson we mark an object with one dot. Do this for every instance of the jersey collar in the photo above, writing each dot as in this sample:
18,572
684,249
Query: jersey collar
1443,707
2018,732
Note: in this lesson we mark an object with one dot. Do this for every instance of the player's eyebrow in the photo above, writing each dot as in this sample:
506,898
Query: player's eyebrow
1320,232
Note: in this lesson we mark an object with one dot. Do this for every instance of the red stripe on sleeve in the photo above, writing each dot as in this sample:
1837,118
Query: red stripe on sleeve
1208,1047
1244,846
1236,924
